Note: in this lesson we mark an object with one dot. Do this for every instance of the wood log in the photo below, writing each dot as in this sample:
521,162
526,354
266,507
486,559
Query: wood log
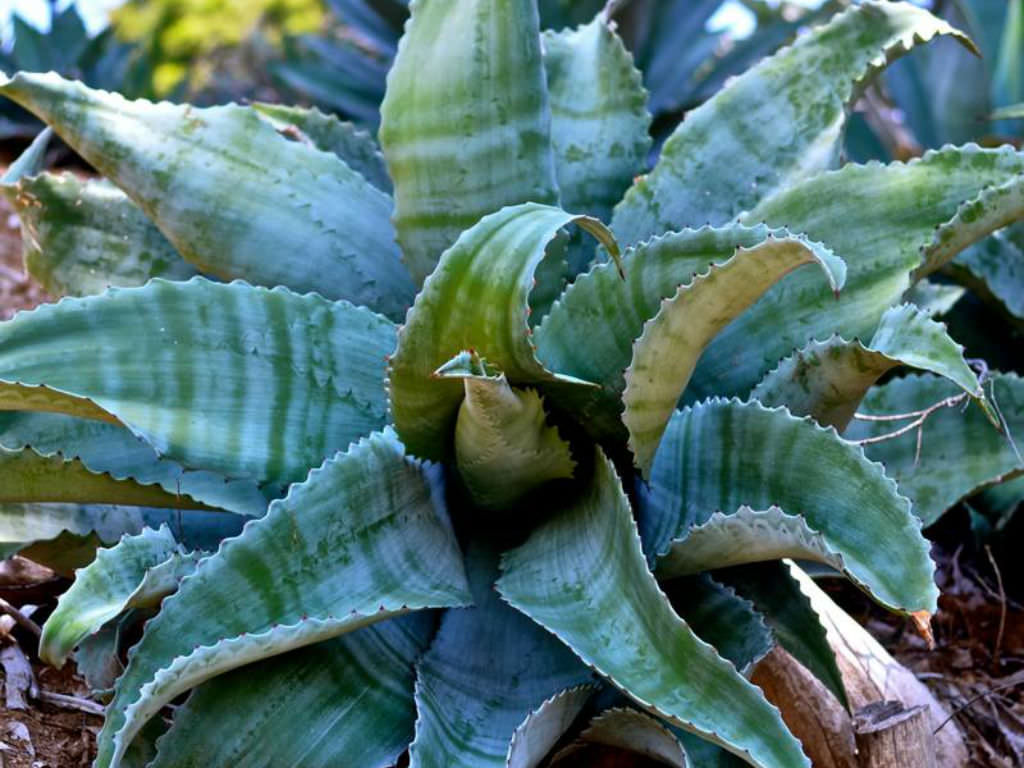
871,674
890,735
809,710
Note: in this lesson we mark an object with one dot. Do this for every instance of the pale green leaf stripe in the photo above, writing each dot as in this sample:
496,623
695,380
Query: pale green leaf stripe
992,209
365,538
590,330
82,236
542,728
722,619
353,145
778,123
961,452
721,455
235,198
629,729
878,218
569,576
599,122
488,668
475,135
786,609
828,379
672,341
29,476
994,270
476,299
109,585
239,380
112,449
343,702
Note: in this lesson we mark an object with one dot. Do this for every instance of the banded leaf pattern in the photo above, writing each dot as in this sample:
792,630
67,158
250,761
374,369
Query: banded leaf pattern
83,236
590,330
235,379
950,438
235,198
778,123
878,218
346,701
477,299
599,122
568,577
828,379
475,135
365,538
721,455
672,341
488,668
109,585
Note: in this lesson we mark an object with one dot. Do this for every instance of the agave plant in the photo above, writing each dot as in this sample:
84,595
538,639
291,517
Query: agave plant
556,490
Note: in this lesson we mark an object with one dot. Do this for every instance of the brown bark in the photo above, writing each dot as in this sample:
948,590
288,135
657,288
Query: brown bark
891,736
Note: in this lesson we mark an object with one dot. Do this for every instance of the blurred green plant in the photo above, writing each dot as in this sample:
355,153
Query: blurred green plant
187,39
100,61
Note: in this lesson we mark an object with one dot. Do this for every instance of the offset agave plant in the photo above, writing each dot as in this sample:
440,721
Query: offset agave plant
604,387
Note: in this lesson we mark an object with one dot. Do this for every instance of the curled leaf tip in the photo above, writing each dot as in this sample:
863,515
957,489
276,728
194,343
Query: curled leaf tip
923,624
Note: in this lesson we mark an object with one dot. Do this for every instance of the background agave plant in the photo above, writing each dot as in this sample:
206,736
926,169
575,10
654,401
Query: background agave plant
471,530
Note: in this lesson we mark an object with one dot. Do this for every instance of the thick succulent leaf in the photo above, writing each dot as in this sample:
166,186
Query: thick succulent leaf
66,536
667,351
542,728
960,451
352,144
477,299
878,218
721,455
993,208
138,571
628,729
81,236
29,476
488,668
828,379
599,122
465,123
112,449
590,330
792,618
778,123
365,538
582,575
504,447
935,299
235,198
722,619
30,162
994,269
232,378
343,702
97,658
1002,501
